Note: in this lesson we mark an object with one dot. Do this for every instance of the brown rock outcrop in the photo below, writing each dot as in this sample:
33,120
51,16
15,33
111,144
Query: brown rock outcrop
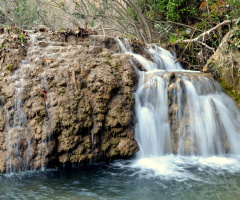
69,99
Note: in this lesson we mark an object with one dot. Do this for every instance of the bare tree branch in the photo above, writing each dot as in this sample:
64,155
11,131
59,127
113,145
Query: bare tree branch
226,22
201,36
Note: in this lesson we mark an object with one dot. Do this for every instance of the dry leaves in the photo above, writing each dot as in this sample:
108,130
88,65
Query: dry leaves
48,60
44,93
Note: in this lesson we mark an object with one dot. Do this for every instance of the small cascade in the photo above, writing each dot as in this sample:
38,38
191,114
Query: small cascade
180,111
8,143
163,59
46,132
17,132
123,49
206,127
17,127
152,115
47,122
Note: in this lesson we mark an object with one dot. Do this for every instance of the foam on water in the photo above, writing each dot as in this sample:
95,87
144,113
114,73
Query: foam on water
181,168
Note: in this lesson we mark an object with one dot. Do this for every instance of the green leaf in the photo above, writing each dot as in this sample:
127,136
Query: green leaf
238,21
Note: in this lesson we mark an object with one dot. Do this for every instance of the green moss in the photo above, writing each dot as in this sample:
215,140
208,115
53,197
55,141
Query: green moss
9,67
213,69
122,152
108,63
69,132
105,146
118,63
62,91
231,91
118,77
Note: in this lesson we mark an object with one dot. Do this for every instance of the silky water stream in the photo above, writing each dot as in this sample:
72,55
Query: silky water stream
188,132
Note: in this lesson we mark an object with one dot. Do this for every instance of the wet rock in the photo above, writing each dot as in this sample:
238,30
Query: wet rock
42,44
86,111
3,74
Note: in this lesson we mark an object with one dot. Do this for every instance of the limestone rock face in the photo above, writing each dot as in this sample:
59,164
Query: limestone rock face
225,64
66,99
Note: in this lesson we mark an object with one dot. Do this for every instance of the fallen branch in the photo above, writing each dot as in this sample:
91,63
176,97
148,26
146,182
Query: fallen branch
202,43
197,39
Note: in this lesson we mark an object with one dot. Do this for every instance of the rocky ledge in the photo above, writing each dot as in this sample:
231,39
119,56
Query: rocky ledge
64,98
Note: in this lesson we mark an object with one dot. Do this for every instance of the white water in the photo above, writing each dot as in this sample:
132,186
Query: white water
47,122
207,120
18,129
17,126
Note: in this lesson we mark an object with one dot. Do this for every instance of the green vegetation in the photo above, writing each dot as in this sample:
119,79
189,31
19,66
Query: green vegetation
9,67
231,91
3,46
173,10
22,37
108,63
166,21
234,39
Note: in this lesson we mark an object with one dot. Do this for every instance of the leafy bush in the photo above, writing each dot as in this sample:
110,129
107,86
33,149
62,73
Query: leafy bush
173,10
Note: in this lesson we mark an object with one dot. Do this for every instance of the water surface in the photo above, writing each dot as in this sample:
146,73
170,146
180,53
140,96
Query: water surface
167,177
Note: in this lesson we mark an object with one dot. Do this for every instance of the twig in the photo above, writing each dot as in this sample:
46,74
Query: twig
184,49
202,43
196,29
189,64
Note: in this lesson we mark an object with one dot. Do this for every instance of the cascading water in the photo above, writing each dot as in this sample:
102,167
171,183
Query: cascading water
18,134
183,117
16,159
152,115
47,123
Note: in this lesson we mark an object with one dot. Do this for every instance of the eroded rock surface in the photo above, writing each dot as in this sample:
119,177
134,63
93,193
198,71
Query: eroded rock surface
225,64
64,99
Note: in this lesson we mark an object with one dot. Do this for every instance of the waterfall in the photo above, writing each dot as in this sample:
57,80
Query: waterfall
47,122
18,131
17,128
180,111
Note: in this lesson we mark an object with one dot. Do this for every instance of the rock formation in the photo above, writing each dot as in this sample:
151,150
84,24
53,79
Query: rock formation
225,64
64,98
